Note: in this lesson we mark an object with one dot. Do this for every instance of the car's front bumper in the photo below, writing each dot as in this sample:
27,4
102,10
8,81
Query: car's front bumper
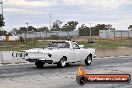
94,56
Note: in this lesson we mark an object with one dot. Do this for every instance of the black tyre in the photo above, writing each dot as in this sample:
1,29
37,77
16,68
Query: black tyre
62,63
81,80
88,60
39,64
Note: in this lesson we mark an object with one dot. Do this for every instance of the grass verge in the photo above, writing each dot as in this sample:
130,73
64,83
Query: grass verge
99,43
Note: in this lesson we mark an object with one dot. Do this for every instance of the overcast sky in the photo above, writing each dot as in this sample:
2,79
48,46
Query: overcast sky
36,12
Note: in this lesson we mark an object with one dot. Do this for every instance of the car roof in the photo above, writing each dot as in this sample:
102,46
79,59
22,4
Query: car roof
61,41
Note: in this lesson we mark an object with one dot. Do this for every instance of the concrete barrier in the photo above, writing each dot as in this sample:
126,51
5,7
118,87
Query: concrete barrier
6,56
123,51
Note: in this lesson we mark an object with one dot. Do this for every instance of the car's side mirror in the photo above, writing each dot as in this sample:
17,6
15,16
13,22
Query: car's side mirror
81,46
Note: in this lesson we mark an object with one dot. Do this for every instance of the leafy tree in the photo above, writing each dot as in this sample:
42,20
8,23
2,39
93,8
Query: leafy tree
14,31
22,30
2,23
70,26
42,29
56,26
84,30
3,32
96,28
32,29
9,34
130,27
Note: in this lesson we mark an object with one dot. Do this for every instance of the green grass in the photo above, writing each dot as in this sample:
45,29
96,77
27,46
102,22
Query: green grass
99,43
17,46
108,43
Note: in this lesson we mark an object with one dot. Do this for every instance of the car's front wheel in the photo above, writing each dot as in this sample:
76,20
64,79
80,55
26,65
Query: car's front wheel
39,64
88,60
62,62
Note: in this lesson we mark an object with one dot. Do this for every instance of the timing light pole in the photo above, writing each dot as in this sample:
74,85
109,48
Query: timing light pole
50,23
90,31
27,28
1,12
90,39
1,7
50,20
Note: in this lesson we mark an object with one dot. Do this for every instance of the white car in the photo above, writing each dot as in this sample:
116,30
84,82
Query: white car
60,53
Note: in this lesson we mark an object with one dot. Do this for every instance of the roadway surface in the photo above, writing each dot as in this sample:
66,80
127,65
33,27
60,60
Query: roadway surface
28,76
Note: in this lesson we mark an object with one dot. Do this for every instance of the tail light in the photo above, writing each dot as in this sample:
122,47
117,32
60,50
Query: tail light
49,55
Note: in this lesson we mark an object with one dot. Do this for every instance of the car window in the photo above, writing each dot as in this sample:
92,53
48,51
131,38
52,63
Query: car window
75,46
59,44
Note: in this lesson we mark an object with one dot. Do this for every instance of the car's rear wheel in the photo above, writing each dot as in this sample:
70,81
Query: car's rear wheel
39,64
62,62
88,60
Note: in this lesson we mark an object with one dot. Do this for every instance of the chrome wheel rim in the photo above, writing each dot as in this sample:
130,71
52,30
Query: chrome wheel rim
89,60
63,63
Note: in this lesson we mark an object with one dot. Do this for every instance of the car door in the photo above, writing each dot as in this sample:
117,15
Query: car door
69,54
77,52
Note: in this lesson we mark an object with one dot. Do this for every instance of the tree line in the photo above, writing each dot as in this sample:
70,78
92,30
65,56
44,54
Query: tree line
58,25
84,30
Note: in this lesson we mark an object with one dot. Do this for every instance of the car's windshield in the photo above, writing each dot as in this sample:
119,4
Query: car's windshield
59,44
